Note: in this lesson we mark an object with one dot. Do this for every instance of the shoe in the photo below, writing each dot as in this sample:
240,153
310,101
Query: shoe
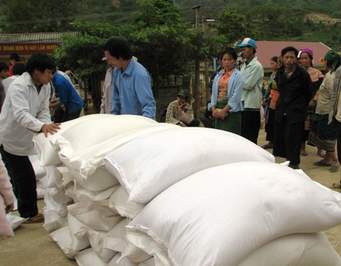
39,218
322,163
294,166
267,146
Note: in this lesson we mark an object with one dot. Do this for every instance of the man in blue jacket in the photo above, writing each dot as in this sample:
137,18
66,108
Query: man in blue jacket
71,103
132,86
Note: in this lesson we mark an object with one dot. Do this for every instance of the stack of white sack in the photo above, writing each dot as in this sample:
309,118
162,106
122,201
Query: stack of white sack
89,219
164,158
245,214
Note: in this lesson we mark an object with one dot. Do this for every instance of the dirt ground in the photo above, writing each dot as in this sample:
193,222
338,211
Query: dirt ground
32,246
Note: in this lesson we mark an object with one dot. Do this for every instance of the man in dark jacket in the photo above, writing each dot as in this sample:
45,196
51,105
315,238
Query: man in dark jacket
294,85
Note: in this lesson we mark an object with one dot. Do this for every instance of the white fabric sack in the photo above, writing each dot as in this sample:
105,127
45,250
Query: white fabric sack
53,177
94,216
40,190
237,208
295,250
52,204
47,153
98,129
66,176
82,194
14,220
53,220
149,262
58,196
100,180
118,261
39,171
117,240
66,243
96,240
166,157
89,161
88,257
119,202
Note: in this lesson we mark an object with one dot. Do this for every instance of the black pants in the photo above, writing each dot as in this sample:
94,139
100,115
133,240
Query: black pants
287,140
61,116
269,127
250,125
23,180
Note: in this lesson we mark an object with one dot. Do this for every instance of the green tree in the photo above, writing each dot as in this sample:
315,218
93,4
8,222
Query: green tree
233,25
38,15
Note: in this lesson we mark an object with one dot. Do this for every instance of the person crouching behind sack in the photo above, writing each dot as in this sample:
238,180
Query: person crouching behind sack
180,111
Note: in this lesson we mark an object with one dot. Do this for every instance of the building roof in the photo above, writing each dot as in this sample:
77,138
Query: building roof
38,37
268,49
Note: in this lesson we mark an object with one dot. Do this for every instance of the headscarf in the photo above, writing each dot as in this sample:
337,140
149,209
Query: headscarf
333,59
307,51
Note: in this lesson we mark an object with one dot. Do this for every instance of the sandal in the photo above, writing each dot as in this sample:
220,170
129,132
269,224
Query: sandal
39,218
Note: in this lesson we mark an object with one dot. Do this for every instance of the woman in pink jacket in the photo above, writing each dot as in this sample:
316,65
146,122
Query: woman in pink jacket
6,201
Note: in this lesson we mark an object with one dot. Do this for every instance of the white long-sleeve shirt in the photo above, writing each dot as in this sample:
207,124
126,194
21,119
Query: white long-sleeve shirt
24,112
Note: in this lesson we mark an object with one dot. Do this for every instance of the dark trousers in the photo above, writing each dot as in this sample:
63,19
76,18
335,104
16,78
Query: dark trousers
287,140
23,180
250,125
269,126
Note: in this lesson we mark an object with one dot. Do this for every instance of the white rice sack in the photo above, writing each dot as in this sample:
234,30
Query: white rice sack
66,176
68,245
40,190
53,177
53,220
94,216
98,129
52,204
82,194
166,157
119,202
96,240
89,162
295,250
236,208
88,257
117,240
100,180
39,171
118,261
14,220
47,153
149,262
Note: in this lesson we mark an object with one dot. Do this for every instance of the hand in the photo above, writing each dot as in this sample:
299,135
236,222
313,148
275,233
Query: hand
9,207
215,112
50,128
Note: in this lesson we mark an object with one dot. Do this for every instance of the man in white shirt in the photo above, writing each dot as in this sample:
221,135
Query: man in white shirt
25,112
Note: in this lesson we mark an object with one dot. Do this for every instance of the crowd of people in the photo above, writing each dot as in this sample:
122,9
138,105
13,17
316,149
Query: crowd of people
301,106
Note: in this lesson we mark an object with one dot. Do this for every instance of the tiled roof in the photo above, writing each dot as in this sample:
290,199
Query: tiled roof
268,49
38,37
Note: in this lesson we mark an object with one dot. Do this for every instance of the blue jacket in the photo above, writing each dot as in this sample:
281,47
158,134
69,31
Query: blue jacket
132,91
67,93
235,86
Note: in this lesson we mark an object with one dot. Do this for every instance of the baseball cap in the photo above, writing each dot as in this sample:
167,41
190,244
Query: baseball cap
247,42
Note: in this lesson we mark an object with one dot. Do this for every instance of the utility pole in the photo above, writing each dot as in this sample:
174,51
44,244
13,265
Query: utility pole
196,88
